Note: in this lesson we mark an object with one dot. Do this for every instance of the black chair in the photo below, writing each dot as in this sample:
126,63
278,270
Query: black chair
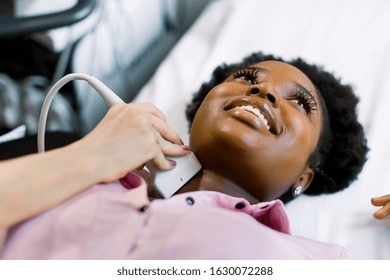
11,26
16,27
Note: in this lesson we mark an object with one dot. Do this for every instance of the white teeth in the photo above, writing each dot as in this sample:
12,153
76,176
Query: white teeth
256,112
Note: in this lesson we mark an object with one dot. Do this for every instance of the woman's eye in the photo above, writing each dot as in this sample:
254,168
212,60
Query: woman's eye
307,105
300,103
249,75
249,80
304,100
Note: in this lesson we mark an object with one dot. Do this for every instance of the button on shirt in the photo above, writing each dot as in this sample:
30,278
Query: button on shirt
117,221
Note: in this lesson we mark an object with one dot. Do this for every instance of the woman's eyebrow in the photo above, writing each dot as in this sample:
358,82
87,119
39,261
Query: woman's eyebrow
252,67
261,70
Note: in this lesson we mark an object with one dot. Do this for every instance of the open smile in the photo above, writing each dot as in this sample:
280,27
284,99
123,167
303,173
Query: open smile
253,112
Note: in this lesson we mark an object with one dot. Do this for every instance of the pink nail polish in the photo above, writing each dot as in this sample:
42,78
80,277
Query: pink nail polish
186,148
172,162
131,181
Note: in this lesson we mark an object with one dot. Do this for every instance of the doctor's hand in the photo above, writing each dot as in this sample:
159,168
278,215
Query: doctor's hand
130,135
384,202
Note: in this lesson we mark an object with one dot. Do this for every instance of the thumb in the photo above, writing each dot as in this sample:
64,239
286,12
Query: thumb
132,181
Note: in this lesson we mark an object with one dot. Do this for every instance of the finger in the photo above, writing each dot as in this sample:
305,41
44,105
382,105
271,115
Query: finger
381,200
160,162
383,212
173,150
165,130
159,121
151,109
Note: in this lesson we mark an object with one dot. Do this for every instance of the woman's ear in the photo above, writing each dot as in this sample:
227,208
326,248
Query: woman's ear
303,182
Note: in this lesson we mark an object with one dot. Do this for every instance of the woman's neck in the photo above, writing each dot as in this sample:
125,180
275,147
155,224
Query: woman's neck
208,180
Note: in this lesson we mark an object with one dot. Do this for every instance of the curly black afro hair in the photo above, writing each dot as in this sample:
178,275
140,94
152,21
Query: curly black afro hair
342,147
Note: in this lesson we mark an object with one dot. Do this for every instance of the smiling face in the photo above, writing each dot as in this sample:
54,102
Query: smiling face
259,128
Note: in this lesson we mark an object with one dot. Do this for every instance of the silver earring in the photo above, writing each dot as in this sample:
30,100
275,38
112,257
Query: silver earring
297,191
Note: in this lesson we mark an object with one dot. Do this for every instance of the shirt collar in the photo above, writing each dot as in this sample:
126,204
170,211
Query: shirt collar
271,214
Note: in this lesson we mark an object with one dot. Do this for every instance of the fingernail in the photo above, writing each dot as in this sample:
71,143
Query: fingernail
186,148
131,181
172,162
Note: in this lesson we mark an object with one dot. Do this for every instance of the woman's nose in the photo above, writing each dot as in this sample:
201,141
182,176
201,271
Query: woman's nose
265,93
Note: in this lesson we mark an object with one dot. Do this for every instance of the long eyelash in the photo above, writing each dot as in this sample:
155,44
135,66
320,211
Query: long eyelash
249,73
308,101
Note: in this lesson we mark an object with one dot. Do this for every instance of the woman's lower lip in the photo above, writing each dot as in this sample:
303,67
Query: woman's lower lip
247,118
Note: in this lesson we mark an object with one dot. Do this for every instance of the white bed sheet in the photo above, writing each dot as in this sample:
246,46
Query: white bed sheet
349,38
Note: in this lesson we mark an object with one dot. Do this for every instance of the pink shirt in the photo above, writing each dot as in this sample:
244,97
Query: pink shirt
110,221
